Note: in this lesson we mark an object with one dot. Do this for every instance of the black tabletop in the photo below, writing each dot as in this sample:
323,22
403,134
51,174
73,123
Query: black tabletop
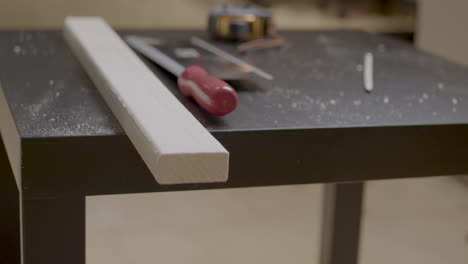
313,118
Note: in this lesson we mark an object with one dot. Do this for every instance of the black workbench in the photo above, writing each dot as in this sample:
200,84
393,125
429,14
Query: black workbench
313,123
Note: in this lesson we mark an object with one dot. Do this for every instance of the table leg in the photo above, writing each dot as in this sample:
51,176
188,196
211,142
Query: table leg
54,230
9,212
341,222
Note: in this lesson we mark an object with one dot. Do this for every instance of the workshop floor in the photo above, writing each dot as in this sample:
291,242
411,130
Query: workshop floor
405,221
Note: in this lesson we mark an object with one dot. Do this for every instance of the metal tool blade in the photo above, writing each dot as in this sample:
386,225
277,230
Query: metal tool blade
215,50
176,55
155,54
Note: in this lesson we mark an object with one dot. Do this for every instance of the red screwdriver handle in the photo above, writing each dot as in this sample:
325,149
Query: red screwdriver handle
211,93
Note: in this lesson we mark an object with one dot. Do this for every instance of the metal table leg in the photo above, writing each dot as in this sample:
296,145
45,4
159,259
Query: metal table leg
54,230
341,223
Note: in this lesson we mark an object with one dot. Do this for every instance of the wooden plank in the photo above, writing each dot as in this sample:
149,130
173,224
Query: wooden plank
173,144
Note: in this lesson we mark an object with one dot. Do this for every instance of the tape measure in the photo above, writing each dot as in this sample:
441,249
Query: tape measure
244,23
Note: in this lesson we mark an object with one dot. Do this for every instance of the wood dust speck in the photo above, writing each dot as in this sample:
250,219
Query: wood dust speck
368,117
21,37
17,49
425,96
386,100
341,93
323,106
441,86
381,48
333,101
357,102
359,67
323,39
454,101
103,130
421,100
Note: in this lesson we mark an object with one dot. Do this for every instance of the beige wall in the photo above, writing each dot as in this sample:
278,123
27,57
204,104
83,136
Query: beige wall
124,13
297,14
443,28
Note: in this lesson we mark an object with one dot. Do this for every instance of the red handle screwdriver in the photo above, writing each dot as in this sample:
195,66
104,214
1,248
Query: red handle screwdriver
211,93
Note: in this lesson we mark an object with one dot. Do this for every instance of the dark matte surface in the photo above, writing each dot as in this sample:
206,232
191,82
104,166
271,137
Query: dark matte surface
9,213
313,123
317,85
104,165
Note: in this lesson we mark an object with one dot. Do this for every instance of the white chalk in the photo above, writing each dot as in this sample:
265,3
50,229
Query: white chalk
368,72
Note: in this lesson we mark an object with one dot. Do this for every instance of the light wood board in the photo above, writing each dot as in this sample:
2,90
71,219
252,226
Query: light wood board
174,145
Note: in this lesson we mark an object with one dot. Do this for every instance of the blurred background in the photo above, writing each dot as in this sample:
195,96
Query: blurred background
405,221
375,15
436,25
